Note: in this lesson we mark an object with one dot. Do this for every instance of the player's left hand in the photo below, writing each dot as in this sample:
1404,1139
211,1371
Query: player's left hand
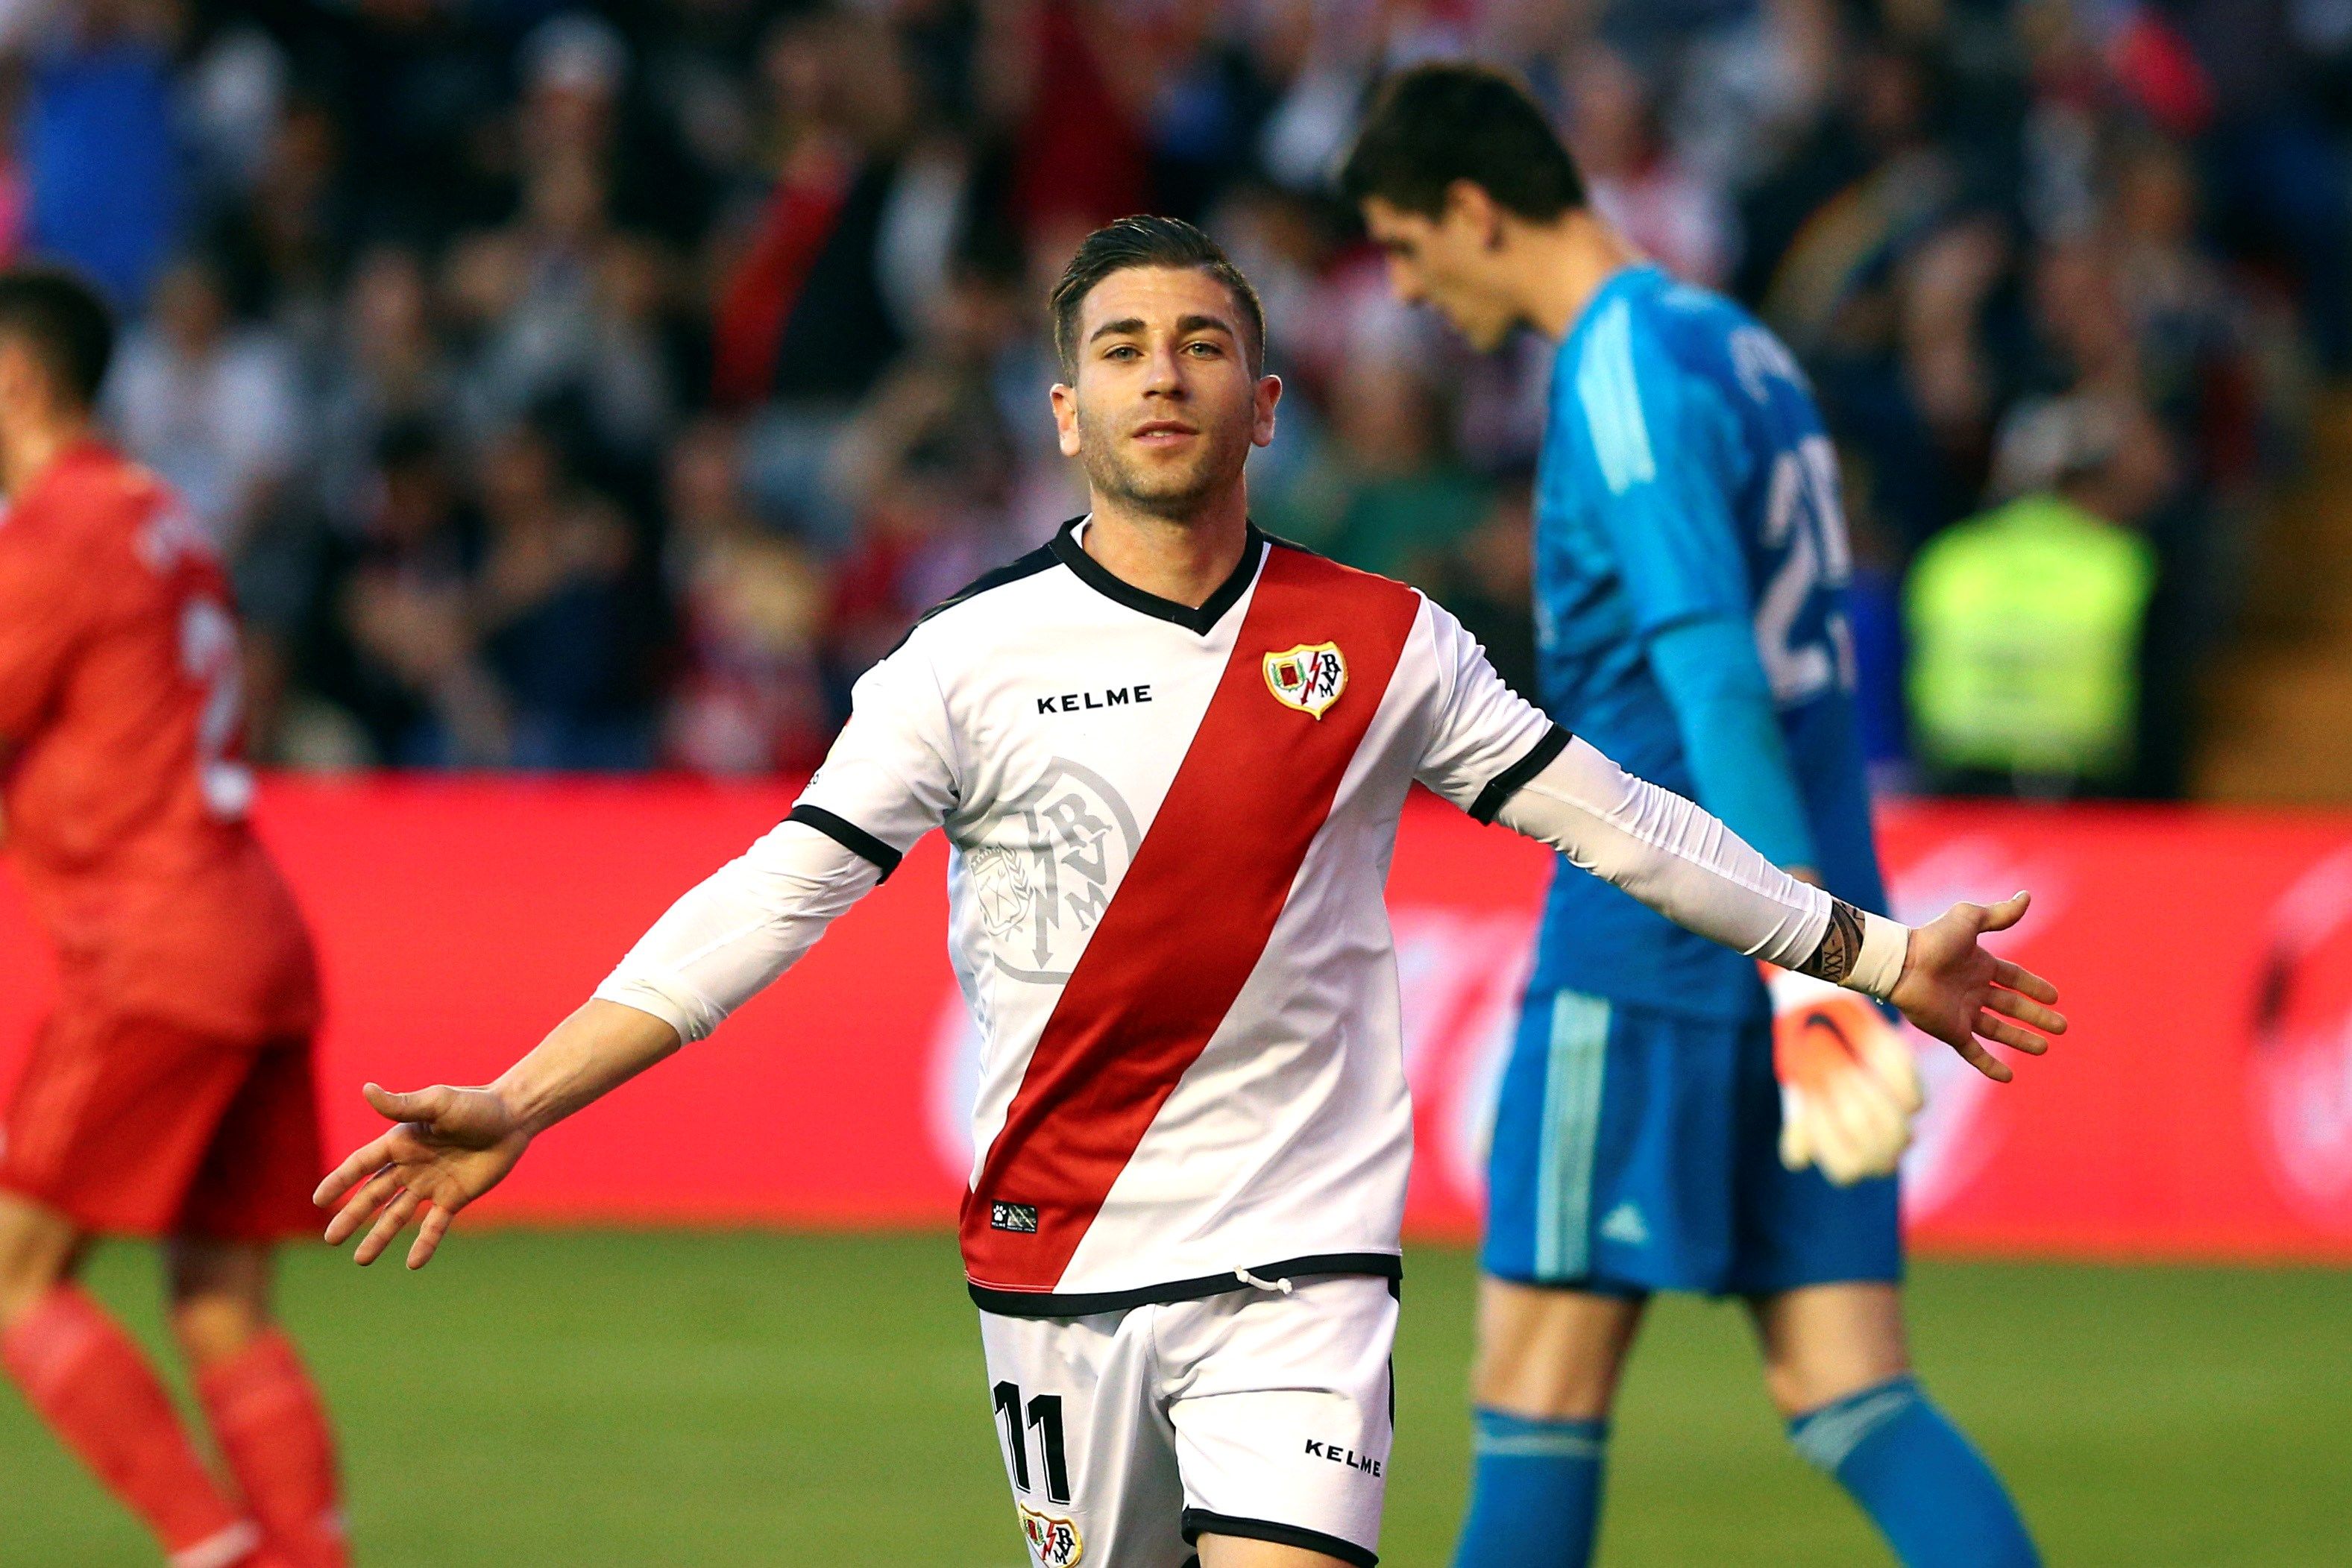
1952,988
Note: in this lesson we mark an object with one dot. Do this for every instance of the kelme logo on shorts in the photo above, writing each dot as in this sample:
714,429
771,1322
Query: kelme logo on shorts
1053,1539
1019,1218
1309,677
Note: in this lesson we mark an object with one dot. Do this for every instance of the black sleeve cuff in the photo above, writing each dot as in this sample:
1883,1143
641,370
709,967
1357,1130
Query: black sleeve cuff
1200,1521
849,836
1512,779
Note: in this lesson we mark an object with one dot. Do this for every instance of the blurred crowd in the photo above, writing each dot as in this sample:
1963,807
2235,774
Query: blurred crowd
605,385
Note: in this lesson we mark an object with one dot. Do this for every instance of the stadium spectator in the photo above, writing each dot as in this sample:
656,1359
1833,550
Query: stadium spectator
1386,494
2278,163
933,460
575,102
821,220
556,608
1066,63
751,697
1487,579
806,316
2026,622
288,261
1636,182
210,404
564,307
402,657
849,245
385,363
106,192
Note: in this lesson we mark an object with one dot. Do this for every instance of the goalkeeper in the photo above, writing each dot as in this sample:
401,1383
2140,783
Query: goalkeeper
1690,555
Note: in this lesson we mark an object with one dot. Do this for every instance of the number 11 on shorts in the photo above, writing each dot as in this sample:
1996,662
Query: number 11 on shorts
1044,1416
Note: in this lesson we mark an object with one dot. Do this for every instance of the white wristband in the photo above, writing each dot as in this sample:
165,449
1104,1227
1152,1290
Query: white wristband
1885,945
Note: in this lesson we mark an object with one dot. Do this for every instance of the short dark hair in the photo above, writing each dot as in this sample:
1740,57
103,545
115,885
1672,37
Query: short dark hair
1450,120
66,325
1145,241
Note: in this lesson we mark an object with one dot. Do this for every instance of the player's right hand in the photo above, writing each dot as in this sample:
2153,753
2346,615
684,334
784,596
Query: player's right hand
451,1146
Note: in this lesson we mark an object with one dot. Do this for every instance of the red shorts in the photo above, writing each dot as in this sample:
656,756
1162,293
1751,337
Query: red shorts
134,1126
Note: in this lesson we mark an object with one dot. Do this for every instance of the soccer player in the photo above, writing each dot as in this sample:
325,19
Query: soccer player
170,1094
1170,755
1689,552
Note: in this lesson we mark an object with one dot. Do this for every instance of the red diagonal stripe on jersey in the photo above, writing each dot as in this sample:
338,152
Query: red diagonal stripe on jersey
1190,918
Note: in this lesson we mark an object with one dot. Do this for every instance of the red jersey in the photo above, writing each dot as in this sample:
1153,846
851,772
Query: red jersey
124,797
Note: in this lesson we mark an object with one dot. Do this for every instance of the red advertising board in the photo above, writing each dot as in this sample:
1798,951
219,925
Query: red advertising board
2202,1106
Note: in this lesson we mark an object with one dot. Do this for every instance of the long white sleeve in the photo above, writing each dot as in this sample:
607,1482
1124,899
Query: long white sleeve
743,926
1689,867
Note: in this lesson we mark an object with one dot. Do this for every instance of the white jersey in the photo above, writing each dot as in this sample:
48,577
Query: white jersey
1171,831
1171,828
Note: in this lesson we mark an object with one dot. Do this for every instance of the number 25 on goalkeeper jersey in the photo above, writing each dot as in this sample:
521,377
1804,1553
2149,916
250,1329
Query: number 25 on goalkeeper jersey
1685,477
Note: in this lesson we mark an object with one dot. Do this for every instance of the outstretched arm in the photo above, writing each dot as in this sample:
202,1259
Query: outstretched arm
715,949
887,781
453,1145
1688,866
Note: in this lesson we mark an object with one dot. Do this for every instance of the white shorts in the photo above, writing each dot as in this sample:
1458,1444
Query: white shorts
1130,1434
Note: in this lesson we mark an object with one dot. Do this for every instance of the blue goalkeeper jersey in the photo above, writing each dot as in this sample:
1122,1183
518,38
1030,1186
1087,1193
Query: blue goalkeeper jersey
1691,558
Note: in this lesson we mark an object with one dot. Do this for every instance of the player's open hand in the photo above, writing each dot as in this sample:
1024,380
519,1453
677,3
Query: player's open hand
1952,988
451,1146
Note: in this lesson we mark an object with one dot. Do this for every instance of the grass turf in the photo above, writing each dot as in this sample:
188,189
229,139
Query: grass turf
723,1398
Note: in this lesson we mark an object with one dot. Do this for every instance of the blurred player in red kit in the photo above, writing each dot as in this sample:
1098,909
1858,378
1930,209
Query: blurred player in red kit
169,1096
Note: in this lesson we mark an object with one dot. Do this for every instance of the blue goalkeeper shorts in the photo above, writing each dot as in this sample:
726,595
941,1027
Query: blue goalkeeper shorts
1638,1150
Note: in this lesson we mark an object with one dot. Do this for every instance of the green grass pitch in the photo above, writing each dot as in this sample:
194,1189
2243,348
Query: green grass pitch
741,1398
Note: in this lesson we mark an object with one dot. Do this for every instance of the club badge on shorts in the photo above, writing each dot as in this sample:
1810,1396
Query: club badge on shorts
1309,677
1053,1539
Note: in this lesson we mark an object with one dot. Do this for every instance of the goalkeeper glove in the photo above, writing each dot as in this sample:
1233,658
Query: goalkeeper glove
1848,1086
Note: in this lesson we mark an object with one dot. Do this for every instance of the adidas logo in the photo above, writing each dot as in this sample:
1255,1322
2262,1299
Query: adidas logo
1625,1225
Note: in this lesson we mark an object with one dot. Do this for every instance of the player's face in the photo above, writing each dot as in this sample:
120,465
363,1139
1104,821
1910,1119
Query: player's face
1448,263
1162,409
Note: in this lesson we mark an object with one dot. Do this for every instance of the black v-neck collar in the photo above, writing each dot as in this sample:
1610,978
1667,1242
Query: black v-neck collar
1201,621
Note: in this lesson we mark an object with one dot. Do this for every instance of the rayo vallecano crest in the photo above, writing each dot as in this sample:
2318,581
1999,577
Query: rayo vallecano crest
1309,677
1053,1539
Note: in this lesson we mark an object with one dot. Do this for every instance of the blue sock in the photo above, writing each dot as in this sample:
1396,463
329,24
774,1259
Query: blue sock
1924,1486
1535,1492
